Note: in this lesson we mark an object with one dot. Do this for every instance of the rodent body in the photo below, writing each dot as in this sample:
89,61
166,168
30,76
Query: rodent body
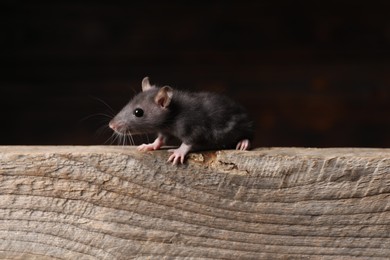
201,121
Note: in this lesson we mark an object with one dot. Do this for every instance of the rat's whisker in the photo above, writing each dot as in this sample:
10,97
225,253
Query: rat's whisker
101,130
104,103
123,140
132,139
127,136
95,115
119,139
107,139
116,138
129,139
110,140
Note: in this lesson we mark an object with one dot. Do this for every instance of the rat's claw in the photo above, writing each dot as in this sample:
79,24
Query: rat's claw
243,145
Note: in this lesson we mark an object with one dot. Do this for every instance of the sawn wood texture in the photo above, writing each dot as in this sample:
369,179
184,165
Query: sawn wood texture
106,202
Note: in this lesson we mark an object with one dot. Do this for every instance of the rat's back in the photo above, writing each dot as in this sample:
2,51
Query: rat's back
210,121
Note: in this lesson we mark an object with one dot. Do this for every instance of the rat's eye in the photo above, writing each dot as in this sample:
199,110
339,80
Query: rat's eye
138,112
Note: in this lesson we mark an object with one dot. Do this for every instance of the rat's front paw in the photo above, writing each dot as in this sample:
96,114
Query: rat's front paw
146,147
176,157
153,146
179,154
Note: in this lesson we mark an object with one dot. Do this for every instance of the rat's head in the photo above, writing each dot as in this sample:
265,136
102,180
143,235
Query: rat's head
147,112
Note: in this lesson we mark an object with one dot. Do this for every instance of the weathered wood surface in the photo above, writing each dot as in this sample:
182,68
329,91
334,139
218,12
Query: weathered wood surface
98,202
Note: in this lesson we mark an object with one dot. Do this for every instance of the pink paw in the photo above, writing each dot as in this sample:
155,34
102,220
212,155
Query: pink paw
176,157
243,145
179,154
146,147
153,146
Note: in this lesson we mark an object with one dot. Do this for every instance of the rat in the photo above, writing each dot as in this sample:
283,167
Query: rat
200,120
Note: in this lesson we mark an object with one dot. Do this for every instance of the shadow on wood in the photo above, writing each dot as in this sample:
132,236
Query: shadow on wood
77,202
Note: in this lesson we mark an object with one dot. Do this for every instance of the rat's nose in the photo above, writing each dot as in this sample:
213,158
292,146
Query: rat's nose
112,125
117,126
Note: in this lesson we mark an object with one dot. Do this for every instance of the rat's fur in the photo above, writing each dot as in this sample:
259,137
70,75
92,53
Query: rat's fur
208,121
201,120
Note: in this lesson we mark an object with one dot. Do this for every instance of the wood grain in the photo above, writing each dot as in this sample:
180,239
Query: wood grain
104,202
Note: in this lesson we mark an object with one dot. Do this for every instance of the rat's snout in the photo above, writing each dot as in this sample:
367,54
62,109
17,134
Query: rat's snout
112,125
117,126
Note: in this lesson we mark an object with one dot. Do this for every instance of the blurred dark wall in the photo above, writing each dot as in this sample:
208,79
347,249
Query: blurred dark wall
311,74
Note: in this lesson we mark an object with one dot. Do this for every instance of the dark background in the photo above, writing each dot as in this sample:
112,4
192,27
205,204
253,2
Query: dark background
311,74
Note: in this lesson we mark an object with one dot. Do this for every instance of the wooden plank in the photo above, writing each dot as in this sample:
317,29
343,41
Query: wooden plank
105,202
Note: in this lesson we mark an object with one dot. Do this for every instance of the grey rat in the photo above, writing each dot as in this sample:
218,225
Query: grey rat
201,121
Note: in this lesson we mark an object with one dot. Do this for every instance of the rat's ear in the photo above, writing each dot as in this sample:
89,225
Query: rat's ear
146,84
164,96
